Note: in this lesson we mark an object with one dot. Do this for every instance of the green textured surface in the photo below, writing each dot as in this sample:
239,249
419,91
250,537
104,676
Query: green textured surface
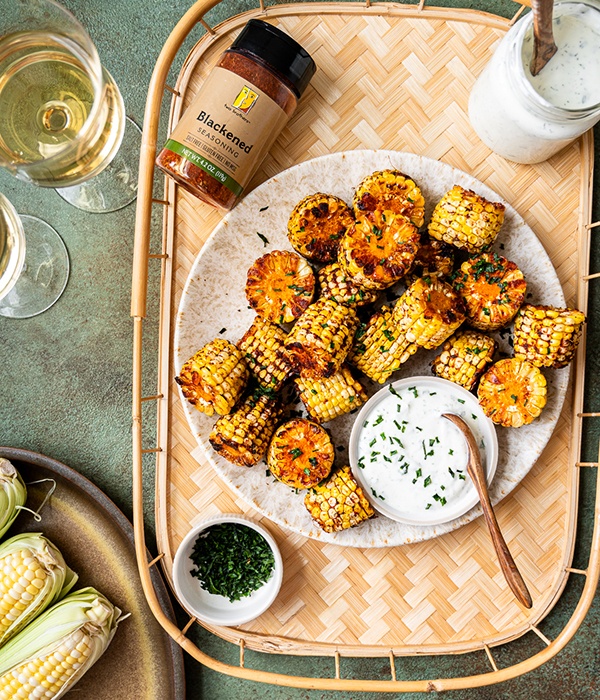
65,389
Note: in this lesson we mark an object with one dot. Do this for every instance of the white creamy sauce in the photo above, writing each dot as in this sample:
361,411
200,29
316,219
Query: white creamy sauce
412,459
571,79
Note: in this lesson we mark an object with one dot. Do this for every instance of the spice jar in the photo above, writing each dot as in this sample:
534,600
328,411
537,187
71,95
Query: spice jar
243,105
526,118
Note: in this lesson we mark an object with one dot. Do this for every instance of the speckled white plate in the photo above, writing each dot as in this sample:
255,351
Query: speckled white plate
213,304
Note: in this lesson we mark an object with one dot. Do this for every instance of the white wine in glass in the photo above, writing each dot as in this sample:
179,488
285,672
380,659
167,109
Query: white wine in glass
62,117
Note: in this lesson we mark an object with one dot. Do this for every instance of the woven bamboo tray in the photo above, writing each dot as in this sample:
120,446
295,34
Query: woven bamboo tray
396,77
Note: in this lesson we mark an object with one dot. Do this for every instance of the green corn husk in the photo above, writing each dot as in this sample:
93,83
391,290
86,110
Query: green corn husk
33,575
58,647
13,494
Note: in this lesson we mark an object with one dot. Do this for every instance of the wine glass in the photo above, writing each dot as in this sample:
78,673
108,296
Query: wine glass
34,265
62,117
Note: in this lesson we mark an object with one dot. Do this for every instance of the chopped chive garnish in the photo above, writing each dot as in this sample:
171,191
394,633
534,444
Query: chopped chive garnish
306,470
451,472
427,481
264,239
473,416
462,476
419,429
428,506
378,420
313,461
414,391
365,424
386,458
296,452
393,391
373,441
383,436
460,400
450,452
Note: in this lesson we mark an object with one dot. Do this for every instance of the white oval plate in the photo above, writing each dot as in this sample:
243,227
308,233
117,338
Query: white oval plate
488,452
213,304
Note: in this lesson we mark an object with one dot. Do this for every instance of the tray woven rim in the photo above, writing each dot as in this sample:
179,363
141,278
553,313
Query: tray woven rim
283,644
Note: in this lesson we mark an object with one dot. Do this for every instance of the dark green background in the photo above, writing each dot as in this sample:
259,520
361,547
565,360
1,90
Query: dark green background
65,387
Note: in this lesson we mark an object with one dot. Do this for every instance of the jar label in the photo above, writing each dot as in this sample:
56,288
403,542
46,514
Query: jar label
228,129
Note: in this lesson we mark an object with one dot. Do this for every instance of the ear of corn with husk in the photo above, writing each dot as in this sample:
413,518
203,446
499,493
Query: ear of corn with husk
379,348
34,575
428,312
214,378
326,398
464,358
242,437
466,220
318,343
262,345
547,336
47,658
13,494
338,503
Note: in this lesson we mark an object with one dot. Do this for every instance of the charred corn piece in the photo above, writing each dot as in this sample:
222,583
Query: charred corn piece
242,437
338,503
317,225
280,286
379,349
330,397
392,190
547,336
512,392
335,284
214,378
300,453
434,259
379,250
493,289
321,338
262,345
464,358
428,312
466,220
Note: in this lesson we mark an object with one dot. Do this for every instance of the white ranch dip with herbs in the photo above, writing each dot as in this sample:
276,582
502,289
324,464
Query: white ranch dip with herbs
412,460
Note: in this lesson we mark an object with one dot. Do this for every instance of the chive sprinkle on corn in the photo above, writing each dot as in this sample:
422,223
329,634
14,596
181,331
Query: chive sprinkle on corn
262,346
34,575
53,652
338,503
464,358
547,336
379,348
214,378
318,343
466,220
326,398
428,312
242,437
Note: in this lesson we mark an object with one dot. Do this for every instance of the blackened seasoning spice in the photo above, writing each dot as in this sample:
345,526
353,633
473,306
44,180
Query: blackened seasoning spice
243,105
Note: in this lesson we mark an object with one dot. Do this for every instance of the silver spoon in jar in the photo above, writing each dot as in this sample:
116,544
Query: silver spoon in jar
543,39
475,470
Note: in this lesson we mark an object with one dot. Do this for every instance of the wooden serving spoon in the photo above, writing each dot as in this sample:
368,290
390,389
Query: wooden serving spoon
477,474
543,39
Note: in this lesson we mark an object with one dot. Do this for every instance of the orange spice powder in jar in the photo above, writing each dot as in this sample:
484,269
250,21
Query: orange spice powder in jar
241,108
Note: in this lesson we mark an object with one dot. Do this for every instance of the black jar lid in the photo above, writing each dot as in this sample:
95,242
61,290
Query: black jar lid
279,50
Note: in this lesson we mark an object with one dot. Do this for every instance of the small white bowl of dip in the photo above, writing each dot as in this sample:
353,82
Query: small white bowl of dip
410,461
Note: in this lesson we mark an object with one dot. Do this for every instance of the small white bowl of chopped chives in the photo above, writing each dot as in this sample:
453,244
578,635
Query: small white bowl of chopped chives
409,460
228,570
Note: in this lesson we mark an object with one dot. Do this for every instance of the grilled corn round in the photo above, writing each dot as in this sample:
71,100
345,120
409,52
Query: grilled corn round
547,336
512,392
326,398
317,225
300,453
434,259
242,437
391,190
338,503
321,338
262,345
493,289
466,220
280,286
214,378
378,251
335,284
464,358
428,312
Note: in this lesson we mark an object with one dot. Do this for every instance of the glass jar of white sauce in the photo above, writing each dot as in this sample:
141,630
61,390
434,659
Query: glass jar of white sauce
527,119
